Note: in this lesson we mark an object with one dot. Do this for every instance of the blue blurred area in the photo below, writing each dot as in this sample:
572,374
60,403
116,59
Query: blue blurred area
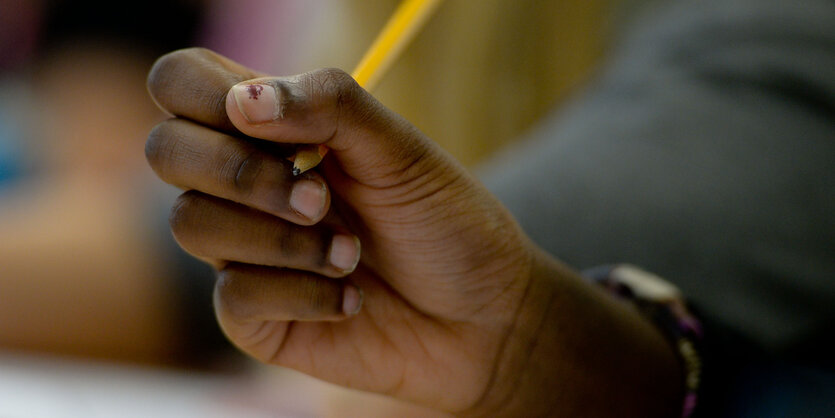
11,166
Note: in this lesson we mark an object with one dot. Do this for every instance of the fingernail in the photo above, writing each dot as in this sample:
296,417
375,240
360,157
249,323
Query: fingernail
344,253
308,198
352,298
257,102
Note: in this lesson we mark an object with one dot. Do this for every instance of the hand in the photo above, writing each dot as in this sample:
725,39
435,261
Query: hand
457,301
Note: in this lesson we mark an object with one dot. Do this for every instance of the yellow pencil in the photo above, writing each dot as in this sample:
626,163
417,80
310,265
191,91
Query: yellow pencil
401,28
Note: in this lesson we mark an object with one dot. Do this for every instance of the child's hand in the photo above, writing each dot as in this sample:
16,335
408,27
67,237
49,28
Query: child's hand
455,296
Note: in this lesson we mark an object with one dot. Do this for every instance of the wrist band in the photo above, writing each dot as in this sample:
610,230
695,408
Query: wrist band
663,304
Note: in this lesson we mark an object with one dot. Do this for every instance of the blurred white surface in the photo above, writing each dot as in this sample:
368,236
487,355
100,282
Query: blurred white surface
38,387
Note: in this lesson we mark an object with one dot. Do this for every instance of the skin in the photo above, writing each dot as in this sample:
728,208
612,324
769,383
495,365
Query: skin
461,312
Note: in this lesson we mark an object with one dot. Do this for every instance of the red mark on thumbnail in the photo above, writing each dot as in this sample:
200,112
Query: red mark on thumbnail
254,91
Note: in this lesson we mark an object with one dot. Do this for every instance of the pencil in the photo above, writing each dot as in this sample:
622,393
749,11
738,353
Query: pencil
400,29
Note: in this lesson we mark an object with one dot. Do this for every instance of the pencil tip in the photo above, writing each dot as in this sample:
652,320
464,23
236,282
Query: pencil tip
296,171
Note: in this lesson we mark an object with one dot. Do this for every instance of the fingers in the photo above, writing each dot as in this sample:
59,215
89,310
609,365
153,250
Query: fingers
291,109
371,143
328,107
246,293
194,157
192,83
253,305
213,228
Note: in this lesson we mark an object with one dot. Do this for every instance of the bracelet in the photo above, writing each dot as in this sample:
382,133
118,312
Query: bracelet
664,305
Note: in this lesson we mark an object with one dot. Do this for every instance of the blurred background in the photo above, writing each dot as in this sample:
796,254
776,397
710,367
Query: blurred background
93,290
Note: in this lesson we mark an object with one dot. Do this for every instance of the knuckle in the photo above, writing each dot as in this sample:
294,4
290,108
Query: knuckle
182,218
158,145
337,78
166,70
290,245
241,170
230,294
168,151
325,239
167,64
318,298
181,78
335,83
225,284
307,247
239,288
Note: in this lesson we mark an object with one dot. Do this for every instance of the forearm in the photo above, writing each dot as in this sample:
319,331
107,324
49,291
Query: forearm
575,351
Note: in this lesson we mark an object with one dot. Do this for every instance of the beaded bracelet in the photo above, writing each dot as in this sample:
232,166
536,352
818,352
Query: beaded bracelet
664,305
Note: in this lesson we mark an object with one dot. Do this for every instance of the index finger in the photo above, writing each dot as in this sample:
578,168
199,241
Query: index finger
192,84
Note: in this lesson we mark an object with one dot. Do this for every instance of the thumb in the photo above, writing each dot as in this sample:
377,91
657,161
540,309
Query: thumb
371,144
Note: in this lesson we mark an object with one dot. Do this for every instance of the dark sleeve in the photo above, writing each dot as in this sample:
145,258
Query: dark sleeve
706,154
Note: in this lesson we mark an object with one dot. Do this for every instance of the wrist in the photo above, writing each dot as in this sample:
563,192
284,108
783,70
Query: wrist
573,351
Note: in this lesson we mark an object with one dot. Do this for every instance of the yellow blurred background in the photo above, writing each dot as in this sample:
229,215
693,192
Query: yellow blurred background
483,71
